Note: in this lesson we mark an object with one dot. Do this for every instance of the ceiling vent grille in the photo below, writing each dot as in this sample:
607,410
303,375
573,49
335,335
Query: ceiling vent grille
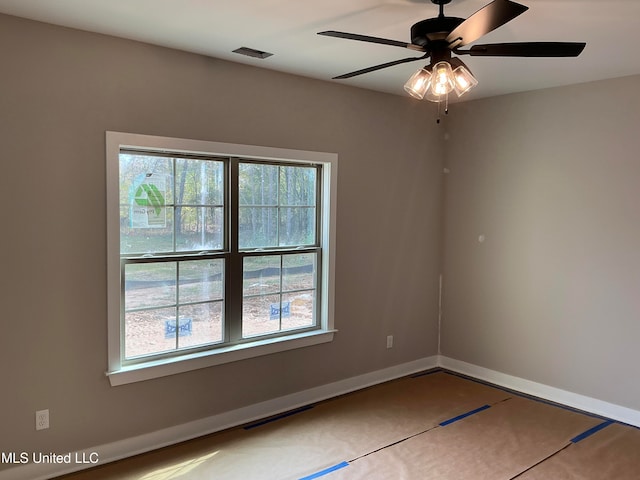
252,52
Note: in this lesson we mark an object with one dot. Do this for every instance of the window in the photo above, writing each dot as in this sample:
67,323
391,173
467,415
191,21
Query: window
216,253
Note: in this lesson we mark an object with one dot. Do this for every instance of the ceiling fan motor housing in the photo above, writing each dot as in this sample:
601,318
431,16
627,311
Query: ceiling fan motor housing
433,29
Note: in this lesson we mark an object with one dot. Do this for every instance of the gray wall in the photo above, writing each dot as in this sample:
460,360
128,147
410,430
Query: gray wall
552,179
60,90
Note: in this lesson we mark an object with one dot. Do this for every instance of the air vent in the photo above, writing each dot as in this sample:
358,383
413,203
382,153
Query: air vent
252,52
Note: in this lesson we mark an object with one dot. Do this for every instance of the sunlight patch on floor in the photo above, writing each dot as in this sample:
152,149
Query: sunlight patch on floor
178,470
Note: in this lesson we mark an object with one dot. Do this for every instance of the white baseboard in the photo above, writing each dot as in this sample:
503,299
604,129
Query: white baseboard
574,400
180,433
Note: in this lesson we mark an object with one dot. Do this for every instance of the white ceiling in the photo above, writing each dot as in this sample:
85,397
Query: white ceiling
288,29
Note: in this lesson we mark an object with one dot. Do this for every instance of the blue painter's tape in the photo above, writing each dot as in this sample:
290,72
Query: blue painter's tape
464,415
326,471
591,431
278,417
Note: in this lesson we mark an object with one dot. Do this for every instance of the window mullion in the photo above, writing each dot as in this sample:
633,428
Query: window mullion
280,289
177,302
278,211
174,207
233,292
319,205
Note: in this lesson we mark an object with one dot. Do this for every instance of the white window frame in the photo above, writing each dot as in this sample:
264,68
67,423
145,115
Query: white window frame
119,374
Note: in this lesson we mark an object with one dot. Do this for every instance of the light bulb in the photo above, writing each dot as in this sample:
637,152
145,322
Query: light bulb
443,81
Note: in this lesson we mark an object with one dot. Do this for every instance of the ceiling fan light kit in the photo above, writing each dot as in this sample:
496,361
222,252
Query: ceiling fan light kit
440,37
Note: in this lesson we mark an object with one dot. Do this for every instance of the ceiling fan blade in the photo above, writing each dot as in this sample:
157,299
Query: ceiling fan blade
527,49
379,67
485,20
367,38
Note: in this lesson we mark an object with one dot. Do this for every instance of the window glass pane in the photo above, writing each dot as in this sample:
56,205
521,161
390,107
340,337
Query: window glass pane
201,280
258,197
297,226
277,205
258,227
261,275
138,170
134,239
199,182
149,285
297,186
298,271
148,221
200,324
150,332
199,228
298,309
258,184
146,197
260,315
264,310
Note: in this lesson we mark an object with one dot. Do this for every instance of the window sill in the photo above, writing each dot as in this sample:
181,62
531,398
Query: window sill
186,363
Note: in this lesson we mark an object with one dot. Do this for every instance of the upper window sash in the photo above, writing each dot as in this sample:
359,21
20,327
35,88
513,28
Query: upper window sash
161,194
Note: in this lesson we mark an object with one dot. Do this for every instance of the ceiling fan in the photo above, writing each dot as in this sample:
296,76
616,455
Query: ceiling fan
440,37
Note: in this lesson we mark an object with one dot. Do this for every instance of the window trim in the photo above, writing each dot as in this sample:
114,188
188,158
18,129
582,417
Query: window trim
117,141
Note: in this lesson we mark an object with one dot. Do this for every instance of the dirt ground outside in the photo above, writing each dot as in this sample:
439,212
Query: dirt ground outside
155,331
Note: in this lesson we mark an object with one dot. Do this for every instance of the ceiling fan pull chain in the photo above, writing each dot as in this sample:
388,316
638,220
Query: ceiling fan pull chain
446,107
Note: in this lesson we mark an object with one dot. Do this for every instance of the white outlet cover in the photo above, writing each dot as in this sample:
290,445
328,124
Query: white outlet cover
42,419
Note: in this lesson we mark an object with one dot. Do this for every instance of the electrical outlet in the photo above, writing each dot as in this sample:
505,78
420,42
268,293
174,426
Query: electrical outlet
389,341
42,419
